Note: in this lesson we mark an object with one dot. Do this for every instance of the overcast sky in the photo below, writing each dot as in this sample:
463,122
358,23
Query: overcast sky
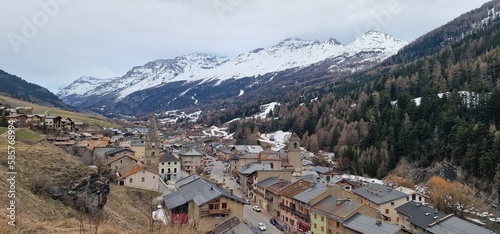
54,42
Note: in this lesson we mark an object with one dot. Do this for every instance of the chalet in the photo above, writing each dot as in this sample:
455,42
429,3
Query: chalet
18,120
52,122
117,152
139,177
34,120
202,203
24,110
121,163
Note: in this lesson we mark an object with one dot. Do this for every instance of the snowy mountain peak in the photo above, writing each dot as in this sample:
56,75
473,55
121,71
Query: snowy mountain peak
202,69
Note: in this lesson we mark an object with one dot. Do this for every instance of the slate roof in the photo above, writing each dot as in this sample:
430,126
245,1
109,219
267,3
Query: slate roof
167,157
252,167
199,190
364,224
320,169
379,194
173,200
296,187
310,193
186,180
123,156
117,150
418,214
267,182
190,152
328,206
136,168
457,226
278,186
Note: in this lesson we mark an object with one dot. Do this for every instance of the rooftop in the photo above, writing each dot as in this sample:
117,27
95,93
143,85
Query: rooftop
296,187
278,186
419,215
364,224
336,208
267,182
252,167
378,193
168,157
310,193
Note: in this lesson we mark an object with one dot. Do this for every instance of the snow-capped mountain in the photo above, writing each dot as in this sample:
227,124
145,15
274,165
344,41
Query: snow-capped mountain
183,74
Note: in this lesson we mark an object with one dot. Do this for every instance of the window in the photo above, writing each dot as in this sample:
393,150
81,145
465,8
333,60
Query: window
397,219
131,180
413,197
175,170
162,163
315,216
162,170
213,206
322,219
224,205
175,163
322,228
337,224
292,222
168,170
168,163
286,219
143,179
315,226
387,211
419,198
392,203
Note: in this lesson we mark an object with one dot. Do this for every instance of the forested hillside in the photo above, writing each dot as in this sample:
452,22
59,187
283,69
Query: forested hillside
371,120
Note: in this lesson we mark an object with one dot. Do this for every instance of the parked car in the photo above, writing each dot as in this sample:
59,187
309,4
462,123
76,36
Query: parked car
280,226
273,221
256,208
246,201
261,226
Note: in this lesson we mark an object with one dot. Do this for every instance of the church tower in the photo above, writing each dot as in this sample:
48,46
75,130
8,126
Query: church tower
294,154
152,144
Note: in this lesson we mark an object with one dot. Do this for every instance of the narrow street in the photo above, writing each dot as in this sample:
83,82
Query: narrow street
251,216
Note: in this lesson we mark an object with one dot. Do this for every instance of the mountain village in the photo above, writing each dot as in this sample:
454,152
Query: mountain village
211,185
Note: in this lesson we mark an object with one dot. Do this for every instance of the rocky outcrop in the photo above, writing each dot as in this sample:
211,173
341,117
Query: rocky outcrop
88,194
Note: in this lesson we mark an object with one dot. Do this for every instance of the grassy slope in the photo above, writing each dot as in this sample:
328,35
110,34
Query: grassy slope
38,109
127,210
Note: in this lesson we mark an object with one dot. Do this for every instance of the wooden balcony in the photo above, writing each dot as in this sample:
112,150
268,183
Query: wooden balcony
206,212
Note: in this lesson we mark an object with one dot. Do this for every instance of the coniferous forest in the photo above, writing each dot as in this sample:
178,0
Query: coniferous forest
443,106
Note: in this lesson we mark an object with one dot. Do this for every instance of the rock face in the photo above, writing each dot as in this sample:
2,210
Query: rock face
88,195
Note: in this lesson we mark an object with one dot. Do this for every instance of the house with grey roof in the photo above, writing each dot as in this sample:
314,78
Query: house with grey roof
169,167
190,160
417,218
260,191
452,224
302,203
381,197
360,223
202,202
329,213
235,225
117,152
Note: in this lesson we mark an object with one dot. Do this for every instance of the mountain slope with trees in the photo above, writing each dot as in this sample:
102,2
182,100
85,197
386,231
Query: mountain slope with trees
443,106
18,88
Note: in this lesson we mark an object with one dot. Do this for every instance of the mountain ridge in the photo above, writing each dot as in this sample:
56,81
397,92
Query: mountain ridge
202,69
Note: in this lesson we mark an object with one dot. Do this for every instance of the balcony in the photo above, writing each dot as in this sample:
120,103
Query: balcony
302,215
206,212
283,206
269,198
258,192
